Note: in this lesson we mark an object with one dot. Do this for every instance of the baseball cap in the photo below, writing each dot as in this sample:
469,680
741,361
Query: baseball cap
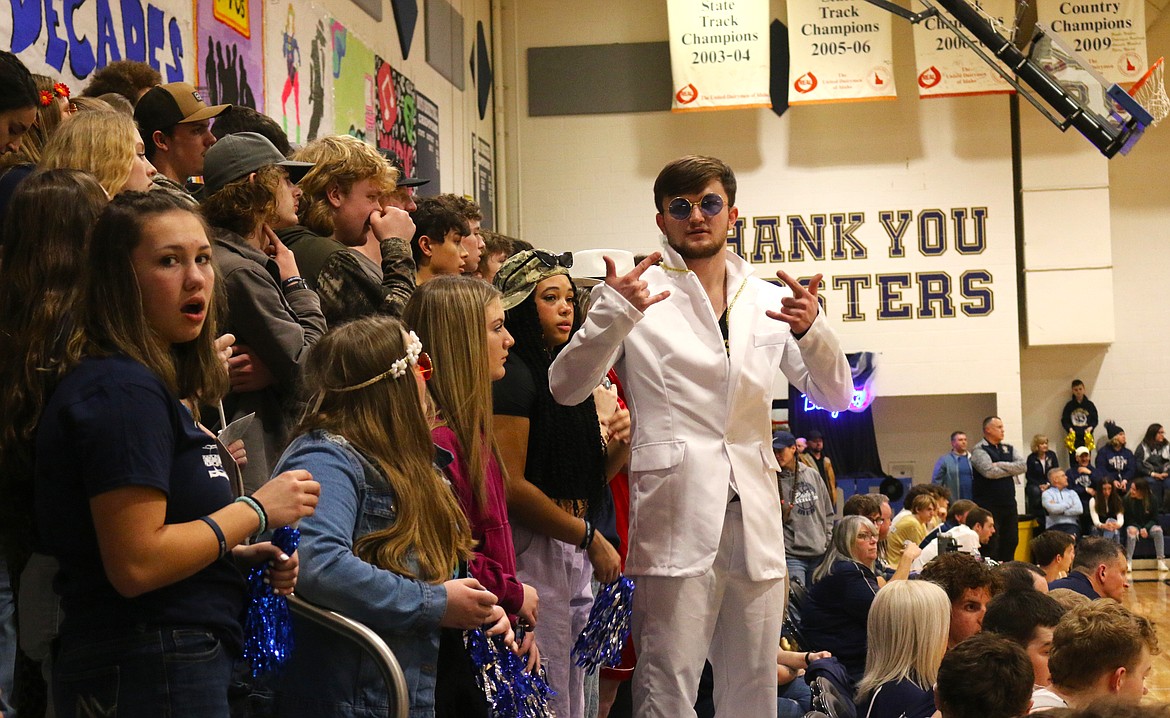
520,274
167,105
782,439
1082,450
589,265
241,153
403,180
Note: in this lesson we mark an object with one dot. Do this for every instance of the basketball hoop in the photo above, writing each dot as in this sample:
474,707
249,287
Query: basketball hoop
1150,91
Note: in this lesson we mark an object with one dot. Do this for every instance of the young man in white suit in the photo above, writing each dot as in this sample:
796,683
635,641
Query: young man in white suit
696,343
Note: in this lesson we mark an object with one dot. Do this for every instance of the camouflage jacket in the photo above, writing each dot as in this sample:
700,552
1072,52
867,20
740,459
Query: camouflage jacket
348,290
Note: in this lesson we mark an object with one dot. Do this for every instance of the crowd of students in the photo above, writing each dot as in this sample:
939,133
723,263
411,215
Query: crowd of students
394,358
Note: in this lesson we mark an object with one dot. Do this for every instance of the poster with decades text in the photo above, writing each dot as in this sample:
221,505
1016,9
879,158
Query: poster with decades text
230,52
840,51
719,54
68,40
353,84
426,149
1110,34
947,67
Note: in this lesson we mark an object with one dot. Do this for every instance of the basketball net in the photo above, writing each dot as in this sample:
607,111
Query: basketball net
1150,91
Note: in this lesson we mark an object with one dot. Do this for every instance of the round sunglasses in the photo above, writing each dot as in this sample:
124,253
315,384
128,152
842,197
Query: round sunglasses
680,208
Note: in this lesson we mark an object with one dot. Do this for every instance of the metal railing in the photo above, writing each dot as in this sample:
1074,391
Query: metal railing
369,642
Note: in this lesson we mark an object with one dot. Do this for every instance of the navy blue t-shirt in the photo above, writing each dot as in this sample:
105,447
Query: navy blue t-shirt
112,423
899,699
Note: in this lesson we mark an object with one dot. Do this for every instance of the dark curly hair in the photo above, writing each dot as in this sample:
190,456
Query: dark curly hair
957,572
566,457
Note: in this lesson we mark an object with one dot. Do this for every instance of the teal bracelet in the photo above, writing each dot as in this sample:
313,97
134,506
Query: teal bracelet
259,512
218,535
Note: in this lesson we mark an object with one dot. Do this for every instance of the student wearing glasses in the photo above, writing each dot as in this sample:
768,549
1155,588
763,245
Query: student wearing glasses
696,343
558,463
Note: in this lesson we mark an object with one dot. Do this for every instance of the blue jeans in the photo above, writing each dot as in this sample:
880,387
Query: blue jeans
802,568
176,671
794,699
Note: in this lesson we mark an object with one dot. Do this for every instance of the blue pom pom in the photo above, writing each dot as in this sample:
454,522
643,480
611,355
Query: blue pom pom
268,626
600,643
510,691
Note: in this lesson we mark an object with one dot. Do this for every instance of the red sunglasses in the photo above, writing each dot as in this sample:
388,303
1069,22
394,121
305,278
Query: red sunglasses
423,366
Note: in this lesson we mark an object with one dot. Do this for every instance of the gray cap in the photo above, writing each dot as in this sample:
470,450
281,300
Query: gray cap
238,155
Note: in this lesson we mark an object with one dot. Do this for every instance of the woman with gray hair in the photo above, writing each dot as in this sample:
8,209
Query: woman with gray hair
844,586
909,623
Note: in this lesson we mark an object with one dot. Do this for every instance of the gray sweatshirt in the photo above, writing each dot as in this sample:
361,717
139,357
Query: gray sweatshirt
809,527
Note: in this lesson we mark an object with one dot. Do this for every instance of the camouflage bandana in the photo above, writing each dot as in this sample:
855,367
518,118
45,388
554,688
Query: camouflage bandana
519,275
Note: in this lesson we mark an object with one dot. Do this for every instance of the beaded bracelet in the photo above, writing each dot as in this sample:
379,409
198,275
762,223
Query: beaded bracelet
218,535
259,512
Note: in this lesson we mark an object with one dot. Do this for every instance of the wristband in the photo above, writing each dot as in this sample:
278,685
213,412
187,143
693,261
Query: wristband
293,282
218,535
806,660
260,512
587,541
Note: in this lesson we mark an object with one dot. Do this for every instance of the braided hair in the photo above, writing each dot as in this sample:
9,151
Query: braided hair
566,456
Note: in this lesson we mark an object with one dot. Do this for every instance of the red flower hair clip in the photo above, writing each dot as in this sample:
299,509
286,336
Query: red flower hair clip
46,98
60,89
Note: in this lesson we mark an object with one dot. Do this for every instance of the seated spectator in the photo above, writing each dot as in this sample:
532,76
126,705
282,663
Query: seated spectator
1061,504
793,697
1099,650
1114,460
1084,479
106,145
388,535
876,508
970,584
496,249
986,676
1068,598
1141,521
912,528
908,624
1153,462
251,191
1112,708
1039,463
844,585
807,510
437,246
1107,512
342,197
914,492
1053,552
969,537
1098,570
128,78
956,516
1028,618
1020,576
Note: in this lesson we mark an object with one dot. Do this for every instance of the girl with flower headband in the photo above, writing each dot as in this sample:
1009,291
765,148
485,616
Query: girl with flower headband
19,100
388,537
461,321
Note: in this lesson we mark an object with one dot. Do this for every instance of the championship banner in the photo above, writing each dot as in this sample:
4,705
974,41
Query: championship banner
947,67
840,51
1110,34
719,54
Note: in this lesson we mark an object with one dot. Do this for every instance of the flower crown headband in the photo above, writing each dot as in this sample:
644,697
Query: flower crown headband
397,370
60,89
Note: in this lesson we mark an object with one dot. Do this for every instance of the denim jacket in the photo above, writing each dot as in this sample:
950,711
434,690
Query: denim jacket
326,674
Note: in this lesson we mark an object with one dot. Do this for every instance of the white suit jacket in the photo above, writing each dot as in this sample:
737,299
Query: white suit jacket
701,418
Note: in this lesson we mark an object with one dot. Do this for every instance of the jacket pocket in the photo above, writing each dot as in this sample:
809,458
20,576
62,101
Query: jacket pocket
657,456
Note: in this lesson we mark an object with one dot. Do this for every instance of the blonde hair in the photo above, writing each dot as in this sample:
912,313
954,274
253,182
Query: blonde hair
841,547
101,143
908,626
386,422
341,161
1037,440
448,313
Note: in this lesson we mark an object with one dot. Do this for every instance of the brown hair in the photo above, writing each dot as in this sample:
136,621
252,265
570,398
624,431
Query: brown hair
448,313
386,422
114,319
957,572
244,204
339,161
128,78
1095,638
691,174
